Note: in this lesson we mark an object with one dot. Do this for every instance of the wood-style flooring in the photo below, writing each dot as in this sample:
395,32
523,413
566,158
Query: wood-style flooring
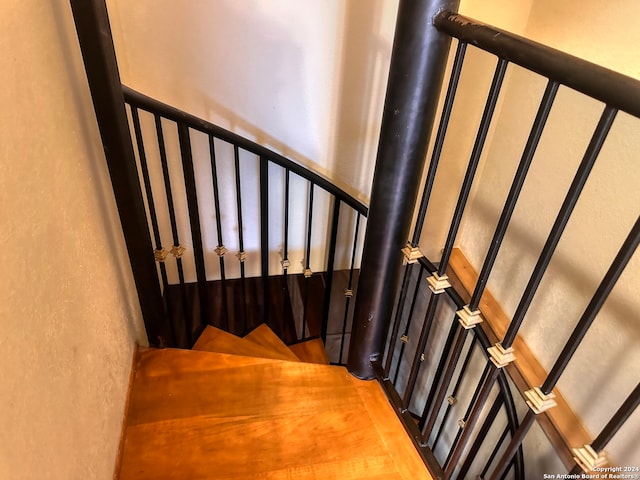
197,414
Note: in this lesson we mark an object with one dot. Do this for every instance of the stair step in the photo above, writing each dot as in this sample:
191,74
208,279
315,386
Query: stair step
195,414
264,336
216,340
311,351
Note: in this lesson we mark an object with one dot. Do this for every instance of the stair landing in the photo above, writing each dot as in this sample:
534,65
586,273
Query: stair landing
206,415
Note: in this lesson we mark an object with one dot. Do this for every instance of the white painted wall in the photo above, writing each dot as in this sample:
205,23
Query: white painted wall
306,80
69,315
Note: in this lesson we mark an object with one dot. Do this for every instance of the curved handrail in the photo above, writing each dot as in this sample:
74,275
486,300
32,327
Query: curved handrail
144,102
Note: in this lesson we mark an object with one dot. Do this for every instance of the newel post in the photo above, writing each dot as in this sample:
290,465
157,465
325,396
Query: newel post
417,69
96,44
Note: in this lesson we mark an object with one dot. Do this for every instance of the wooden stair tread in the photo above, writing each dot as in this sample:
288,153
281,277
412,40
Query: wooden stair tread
262,335
235,417
216,340
311,351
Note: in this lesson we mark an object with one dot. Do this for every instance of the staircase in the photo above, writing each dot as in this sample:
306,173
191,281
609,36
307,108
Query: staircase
253,408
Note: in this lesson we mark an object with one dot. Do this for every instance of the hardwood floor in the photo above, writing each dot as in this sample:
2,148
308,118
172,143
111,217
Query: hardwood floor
206,415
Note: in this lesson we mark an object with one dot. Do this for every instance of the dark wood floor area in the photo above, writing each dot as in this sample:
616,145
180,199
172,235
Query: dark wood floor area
238,306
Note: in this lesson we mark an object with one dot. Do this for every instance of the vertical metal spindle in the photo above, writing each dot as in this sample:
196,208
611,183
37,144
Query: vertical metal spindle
494,452
595,145
446,380
398,318
242,255
407,327
349,292
514,444
454,392
485,123
481,437
220,249
428,187
264,236
610,279
617,421
194,220
307,260
582,174
152,208
483,130
330,263
285,244
597,301
448,344
174,227
439,141
480,396
516,187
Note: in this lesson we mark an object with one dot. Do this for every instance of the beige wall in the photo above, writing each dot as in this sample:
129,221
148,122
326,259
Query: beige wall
68,310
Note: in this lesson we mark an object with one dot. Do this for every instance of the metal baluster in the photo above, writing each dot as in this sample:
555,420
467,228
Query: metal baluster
439,141
405,335
349,292
469,315
174,227
502,353
446,380
481,437
241,255
307,261
330,263
494,452
446,361
483,379
607,433
426,192
454,392
160,253
438,281
541,399
194,220
264,236
220,250
285,247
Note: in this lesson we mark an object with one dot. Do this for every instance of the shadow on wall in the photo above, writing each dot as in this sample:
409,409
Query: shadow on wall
366,54
99,179
308,83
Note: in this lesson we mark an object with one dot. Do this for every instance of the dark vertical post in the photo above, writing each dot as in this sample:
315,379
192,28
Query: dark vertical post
415,78
96,44
264,237
330,265
186,154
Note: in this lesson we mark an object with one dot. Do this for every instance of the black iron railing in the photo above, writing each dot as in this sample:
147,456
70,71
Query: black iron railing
246,161
425,386
437,363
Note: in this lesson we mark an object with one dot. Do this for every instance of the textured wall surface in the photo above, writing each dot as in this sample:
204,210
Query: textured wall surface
68,310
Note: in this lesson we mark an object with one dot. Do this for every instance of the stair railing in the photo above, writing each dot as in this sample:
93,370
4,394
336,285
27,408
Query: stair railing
274,173
174,284
424,383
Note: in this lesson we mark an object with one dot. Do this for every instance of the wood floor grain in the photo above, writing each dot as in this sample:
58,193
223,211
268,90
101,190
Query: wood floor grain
203,415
